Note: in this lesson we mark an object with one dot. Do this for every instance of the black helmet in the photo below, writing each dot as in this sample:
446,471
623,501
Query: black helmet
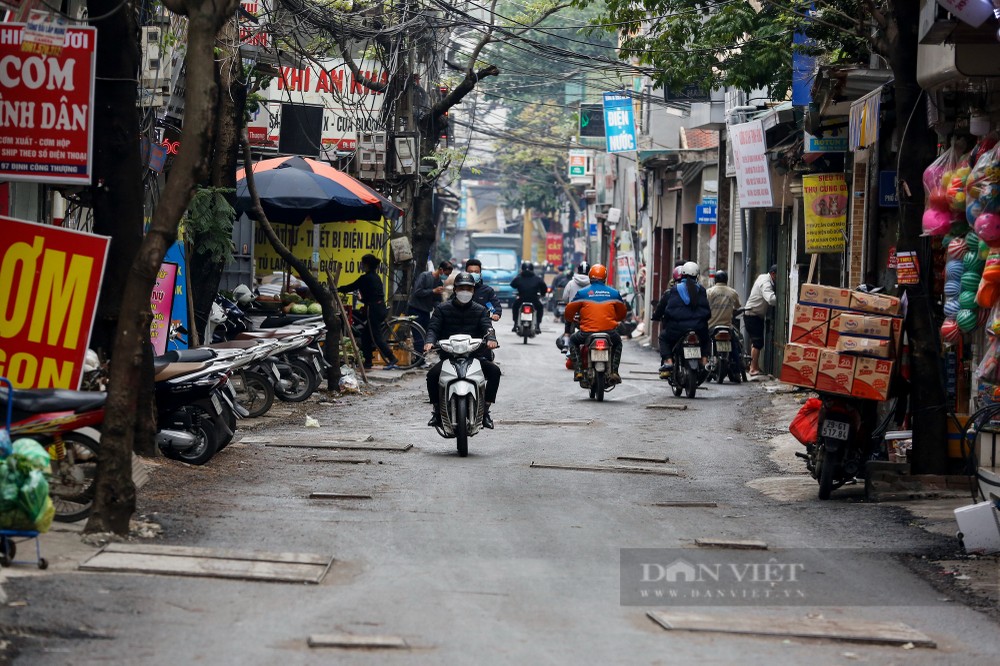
526,266
465,279
583,268
721,277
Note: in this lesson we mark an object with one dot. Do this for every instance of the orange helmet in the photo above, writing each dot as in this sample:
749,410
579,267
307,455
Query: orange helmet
598,272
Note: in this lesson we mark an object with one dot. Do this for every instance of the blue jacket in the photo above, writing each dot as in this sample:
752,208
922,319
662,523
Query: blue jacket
679,316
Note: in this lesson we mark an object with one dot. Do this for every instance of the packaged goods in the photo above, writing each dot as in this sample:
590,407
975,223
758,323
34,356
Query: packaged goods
810,325
871,378
800,364
879,304
836,372
849,323
874,347
817,294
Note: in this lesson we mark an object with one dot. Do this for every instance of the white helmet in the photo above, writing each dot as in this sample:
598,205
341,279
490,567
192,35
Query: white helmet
243,295
690,269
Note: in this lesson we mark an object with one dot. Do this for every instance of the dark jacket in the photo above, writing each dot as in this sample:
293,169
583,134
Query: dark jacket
452,318
529,286
423,297
678,316
484,294
370,286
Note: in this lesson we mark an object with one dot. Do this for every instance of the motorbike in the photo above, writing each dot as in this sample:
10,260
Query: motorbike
727,347
560,309
526,321
595,364
66,423
196,413
462,390
843,445
688,371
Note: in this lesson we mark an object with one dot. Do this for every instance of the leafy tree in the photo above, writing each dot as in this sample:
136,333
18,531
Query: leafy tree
529,171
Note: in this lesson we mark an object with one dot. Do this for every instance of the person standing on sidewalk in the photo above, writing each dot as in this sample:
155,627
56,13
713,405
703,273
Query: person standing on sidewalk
760,300
426,294
373,296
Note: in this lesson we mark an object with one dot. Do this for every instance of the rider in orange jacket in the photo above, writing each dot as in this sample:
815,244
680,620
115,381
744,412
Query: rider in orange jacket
600,309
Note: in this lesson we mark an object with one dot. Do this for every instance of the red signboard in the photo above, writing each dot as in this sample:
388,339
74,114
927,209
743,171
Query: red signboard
554,249
50,278
47,108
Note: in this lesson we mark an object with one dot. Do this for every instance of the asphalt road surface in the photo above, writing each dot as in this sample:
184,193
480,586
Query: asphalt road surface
488,560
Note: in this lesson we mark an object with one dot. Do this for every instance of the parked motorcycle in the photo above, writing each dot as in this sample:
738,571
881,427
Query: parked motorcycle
727,359
846,439
595,364
688,371
64,422
462,390
526,321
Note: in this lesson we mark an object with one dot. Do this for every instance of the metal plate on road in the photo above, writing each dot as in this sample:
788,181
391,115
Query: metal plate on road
337,444
838,629
737,544
209,563
685,504
339,496
355,642
307,434
667,406
563,422
622,469
652,459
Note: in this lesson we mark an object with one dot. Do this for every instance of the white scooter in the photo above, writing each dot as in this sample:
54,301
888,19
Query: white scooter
462,390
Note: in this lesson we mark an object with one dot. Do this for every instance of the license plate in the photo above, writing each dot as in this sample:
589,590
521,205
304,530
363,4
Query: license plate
217,404
274,371
724,346
527,316
692,352
836,430
317,364
599,355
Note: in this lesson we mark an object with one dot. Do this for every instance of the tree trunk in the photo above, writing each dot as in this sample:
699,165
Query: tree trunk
114,501
928,403
331,314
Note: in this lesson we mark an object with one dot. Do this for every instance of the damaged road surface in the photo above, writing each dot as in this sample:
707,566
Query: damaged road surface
489,560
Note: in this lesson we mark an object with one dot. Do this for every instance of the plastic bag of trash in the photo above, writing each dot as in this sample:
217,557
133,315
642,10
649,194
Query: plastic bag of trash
33,494
311,422
805,426
29,455
348,380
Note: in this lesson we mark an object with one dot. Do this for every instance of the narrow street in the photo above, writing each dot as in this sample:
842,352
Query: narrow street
486,559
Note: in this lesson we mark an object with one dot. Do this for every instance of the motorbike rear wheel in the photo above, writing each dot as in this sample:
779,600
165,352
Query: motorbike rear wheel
71,485
721,369
462,427
207,436
257,395
599,386
827,470
296,382
691,383
676,377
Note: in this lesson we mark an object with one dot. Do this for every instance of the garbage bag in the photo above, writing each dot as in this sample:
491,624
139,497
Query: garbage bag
44,521
16,519
33,494
30,455
805,425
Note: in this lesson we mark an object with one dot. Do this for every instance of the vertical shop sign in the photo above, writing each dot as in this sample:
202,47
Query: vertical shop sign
554,248
753,179
907,268
47,112
619,122
161,301
824,196
50,279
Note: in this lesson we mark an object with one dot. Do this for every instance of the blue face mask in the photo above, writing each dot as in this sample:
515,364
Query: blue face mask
477,277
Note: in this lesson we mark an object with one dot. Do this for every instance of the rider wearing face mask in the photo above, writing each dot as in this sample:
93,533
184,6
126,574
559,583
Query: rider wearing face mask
458,315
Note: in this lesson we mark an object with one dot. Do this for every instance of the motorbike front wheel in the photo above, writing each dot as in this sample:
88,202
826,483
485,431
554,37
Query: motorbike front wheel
257,394
462,426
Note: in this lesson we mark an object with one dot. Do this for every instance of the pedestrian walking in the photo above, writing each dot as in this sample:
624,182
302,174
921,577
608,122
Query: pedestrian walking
373,296
760,300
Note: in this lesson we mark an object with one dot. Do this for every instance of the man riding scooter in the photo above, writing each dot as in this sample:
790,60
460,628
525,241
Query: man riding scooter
724,301
530,288
683,307
600,308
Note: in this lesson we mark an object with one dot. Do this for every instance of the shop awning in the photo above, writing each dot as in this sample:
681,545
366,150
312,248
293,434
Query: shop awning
672,157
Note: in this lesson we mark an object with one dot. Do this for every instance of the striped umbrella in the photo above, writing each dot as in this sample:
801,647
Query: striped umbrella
293,189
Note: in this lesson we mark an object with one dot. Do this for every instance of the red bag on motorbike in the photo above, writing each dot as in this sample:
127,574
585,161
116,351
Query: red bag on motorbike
805,425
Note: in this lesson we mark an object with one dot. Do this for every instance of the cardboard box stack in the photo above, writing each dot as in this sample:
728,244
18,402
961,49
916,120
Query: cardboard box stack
843,341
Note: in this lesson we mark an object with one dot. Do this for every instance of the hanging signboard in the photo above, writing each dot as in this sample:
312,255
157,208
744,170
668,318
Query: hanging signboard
349,106
753,179
161,301
554,249
50,279
832,141
577,163
907,268
973,12
824,197
619,123
706,213
47,108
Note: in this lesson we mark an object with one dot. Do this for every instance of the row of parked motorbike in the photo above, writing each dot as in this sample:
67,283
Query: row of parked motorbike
200,394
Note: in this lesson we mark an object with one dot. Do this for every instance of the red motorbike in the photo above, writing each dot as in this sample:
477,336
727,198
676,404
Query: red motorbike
64,422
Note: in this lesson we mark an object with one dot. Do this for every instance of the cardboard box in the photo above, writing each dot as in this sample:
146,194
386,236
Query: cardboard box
872,377
879,304
831,297
810,325
851,323
874,347
800,364
836,372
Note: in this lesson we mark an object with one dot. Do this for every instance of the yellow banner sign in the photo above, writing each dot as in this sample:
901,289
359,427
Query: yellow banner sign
340,244
825,199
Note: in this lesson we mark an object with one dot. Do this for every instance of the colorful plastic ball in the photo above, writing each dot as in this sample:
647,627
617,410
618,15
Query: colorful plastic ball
952,288
983,317
958,201
951,307
970,281
972,262
957,248
938,199
967,320
973,210
936,222
967,300
954,269
984,249
949,331
988,295
988,228
971,239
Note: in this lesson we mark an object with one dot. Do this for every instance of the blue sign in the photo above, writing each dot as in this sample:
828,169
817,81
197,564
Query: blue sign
619,123
887,195
593,229
179,312
706,214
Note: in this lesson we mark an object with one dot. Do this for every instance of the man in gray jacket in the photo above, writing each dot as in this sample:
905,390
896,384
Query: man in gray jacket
426,294
761,299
